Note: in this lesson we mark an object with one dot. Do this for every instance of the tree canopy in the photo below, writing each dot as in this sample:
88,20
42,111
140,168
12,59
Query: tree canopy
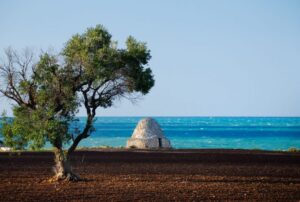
91,71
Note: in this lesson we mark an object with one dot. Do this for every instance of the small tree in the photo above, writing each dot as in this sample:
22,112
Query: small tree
90,72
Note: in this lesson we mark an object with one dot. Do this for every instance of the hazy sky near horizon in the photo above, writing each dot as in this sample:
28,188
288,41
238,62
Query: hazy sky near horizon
209,58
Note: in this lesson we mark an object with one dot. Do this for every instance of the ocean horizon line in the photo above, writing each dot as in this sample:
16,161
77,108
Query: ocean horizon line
186,116
178,116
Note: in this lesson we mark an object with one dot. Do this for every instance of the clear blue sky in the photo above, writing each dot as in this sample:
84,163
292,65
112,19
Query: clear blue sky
210,58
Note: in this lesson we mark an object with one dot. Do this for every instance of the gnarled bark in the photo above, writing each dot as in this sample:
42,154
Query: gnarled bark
63,169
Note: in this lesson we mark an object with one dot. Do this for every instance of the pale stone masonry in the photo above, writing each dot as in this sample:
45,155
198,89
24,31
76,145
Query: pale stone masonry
3,147
148,134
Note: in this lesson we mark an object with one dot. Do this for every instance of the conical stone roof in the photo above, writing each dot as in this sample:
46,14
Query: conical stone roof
148,134
147,128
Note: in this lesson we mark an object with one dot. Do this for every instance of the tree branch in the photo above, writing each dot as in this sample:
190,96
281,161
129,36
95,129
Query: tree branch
82,135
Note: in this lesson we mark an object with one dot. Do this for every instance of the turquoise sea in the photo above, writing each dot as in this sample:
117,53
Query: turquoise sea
267,133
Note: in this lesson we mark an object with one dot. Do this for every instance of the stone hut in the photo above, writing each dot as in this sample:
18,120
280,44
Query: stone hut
3,147
148,134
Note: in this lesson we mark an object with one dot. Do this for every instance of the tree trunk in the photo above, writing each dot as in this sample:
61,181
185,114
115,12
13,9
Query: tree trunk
62,169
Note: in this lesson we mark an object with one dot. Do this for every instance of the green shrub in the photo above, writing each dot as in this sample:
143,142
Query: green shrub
293,149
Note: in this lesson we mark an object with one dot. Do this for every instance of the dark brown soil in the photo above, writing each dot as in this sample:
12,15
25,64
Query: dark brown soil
178,175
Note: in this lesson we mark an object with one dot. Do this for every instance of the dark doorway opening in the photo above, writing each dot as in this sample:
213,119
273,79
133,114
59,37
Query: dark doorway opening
159,142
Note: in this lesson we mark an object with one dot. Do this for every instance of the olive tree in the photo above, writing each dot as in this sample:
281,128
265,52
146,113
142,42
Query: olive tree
90,72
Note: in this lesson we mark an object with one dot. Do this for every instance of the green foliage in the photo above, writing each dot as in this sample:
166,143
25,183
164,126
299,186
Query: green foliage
102,60
12,137
47,119
93,73
293,149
